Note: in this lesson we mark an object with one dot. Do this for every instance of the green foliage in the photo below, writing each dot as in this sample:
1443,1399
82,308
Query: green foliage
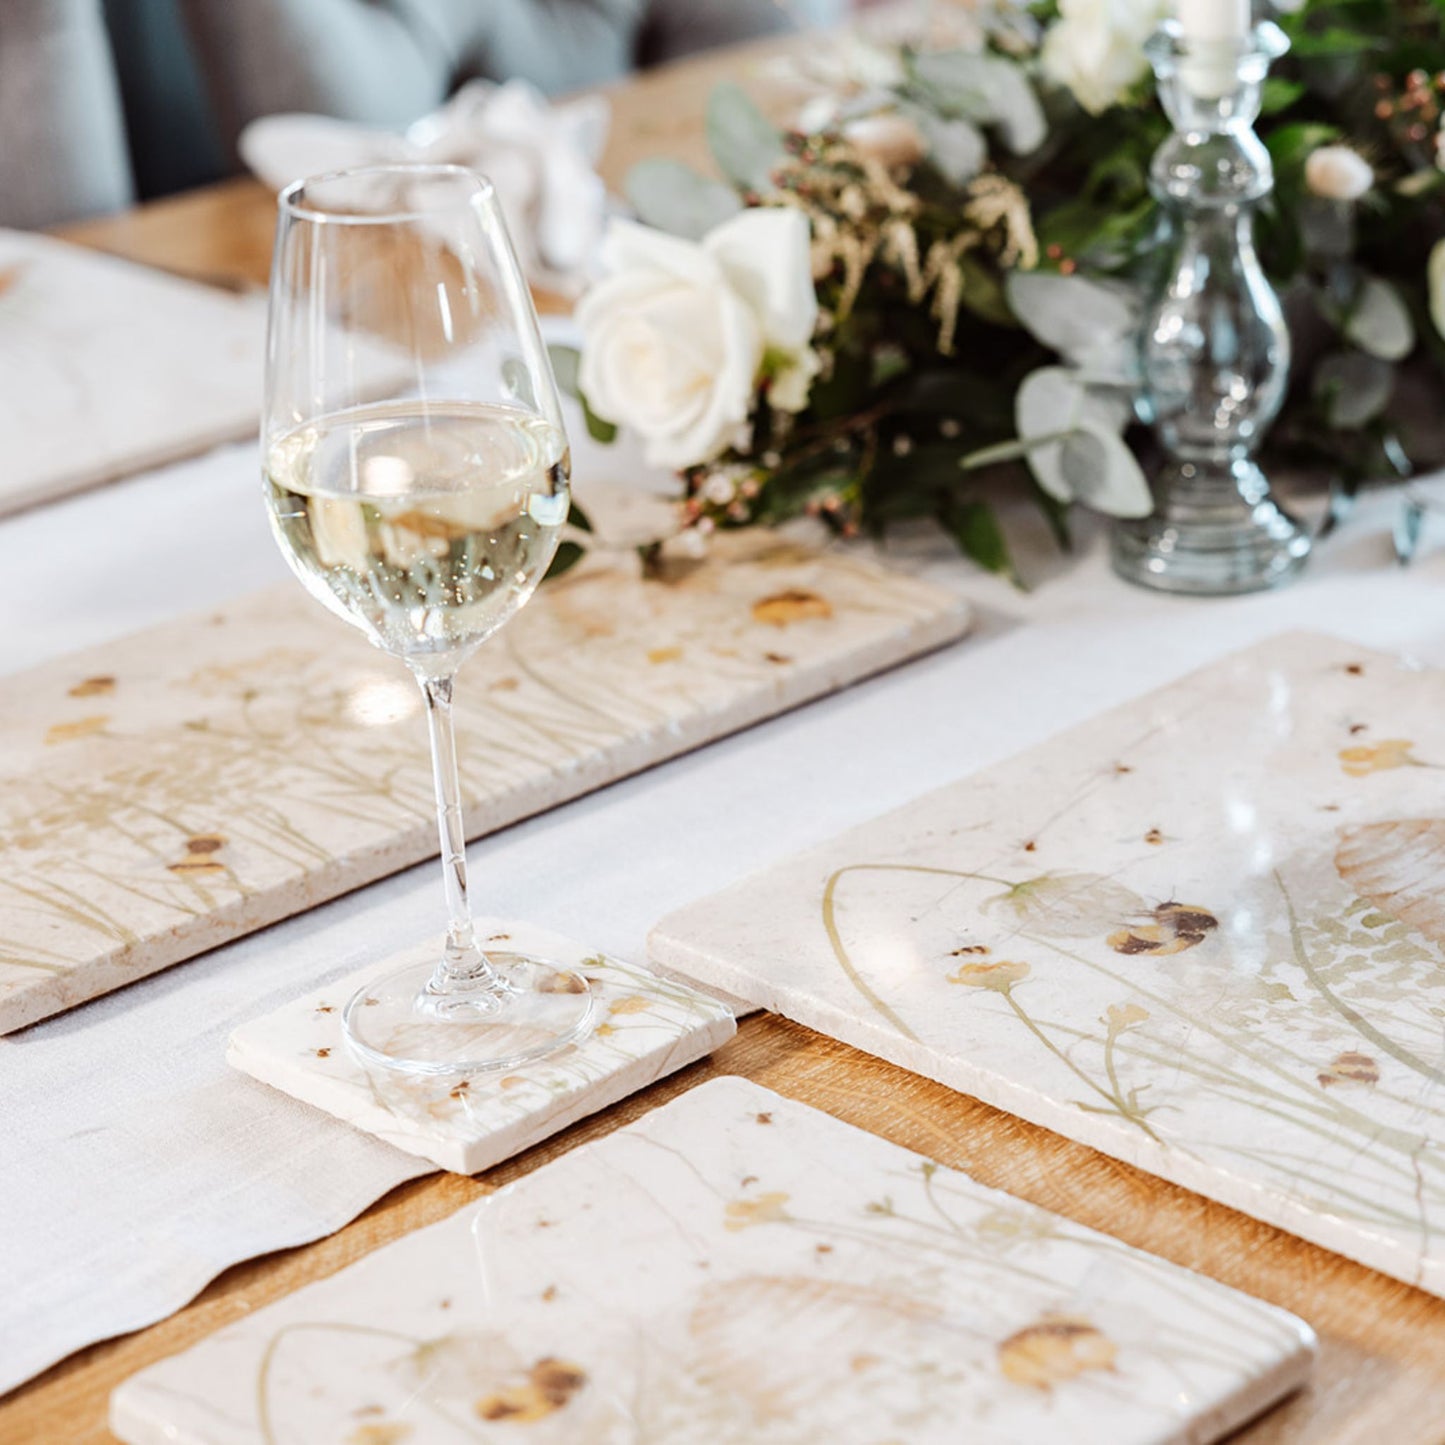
569,554
566,365
745,144
673,197
1028,388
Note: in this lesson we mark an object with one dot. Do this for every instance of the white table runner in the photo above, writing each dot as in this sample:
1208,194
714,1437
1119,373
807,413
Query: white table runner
138,1165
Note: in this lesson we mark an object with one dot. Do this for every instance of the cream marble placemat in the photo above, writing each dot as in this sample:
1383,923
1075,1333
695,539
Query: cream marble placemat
190,783
1203,933
736,1269
107,368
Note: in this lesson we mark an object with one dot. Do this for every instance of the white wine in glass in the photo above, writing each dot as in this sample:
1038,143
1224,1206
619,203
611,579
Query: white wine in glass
416,475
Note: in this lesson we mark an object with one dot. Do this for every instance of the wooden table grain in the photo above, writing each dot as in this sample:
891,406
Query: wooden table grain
1381,1374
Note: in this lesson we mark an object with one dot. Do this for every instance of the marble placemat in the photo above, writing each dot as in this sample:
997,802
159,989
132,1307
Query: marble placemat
644,1027
107,367
188,784
1203,933
735,1269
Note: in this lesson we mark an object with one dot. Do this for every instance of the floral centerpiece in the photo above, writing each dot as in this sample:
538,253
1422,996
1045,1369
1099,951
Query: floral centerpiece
930,284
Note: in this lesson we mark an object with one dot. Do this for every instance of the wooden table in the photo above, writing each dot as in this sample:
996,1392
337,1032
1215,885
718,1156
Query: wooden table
1381,1375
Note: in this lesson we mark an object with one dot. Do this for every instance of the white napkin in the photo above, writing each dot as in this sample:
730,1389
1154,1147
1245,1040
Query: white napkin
542,158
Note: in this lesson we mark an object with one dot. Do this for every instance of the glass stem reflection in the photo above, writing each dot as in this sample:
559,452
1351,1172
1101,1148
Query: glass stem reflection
463,967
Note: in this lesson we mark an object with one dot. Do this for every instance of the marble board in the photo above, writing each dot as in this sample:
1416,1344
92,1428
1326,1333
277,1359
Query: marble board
643,1027
1203,933
735,1269
107,368
188,784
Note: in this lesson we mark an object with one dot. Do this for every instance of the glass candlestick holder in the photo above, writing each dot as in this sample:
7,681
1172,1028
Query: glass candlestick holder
1214,351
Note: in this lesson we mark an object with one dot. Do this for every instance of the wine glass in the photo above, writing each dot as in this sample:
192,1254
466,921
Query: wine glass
416,477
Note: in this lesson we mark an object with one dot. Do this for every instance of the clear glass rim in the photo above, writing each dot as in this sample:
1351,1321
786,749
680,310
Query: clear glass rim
293,203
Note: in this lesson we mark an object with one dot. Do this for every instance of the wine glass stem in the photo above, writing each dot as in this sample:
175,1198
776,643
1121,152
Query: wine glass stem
463,967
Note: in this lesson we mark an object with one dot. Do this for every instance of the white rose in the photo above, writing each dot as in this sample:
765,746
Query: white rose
1096,48
673,338
1338,173
892,140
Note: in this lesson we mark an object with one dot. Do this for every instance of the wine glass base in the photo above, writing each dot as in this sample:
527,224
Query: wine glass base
397,1022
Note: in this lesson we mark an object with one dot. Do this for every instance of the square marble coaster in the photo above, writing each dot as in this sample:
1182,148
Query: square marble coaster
735,1269
1203,933
644,1028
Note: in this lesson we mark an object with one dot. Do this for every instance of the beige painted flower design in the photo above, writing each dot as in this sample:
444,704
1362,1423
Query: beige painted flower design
1350,1067
1397,866
380,1432
792,605
81,727
200,859
550,1385
1002,974
1056,1349
1367,758
92,687
1120,1016
763,1209
1064,905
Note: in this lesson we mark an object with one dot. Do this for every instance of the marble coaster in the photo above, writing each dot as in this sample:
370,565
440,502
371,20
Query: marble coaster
1203,933
180,787
735,1269
644,1028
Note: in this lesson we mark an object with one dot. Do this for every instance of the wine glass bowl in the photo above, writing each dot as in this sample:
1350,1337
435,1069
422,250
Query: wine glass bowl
416,473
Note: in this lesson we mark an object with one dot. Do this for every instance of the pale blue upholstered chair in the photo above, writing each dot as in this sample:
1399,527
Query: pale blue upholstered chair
179,78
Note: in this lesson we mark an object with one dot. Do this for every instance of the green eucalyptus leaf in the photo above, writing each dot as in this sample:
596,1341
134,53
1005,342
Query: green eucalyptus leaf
597,429
986,89
566,362
1072,315
956,146
674,198
1379,322
1353,388
974,527
1279,94
576,517
745,144
1090,463
1103,473
569,554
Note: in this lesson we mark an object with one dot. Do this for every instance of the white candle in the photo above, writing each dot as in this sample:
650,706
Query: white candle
1212,31
1214,19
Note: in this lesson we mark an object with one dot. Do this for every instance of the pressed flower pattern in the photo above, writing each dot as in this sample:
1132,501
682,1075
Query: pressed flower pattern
999,975
550,1385
1055,1350
1366,758
769,1208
